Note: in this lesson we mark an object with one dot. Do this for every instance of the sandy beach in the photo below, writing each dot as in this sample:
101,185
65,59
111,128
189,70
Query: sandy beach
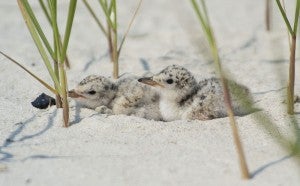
99,149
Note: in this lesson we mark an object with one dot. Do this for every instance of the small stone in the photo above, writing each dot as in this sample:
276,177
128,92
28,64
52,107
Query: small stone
43,101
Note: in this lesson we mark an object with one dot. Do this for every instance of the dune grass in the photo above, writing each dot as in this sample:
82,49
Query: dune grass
54,57
268,13
109,8
288,143
49,87
202,14
293,38
46,12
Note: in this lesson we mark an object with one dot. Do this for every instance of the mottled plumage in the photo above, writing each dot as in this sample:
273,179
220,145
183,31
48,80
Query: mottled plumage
182,97
125,96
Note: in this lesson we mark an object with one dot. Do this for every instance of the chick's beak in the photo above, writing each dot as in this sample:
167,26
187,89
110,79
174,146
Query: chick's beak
150,81
74,94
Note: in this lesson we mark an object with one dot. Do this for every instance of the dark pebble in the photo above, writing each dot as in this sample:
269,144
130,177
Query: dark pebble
43,101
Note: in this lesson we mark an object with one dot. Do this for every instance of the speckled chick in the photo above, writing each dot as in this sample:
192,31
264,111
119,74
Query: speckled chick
94,91
125,96
182,97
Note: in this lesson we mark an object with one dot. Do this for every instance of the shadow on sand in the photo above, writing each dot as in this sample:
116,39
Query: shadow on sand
6,156
268,165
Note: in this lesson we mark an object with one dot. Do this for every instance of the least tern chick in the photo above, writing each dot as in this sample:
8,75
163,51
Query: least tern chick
135,98
182,97
126,96
94,92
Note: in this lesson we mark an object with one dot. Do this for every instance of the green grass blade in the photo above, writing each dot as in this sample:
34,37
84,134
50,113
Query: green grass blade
200,17
39,45
32,74
64,95
110,7
54,41
71,12
114,11
53,10
203,4
129,26
37,26
95,17
210,34
266,122
296,16
47,14
114,39
284,16
206,27
106,12
44,8
204,21
115,29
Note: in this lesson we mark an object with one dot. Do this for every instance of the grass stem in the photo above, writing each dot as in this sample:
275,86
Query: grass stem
129,26
291,82
268,14
32,74
284,16
57,52
91,11
109,8
293,34
235,133
204,21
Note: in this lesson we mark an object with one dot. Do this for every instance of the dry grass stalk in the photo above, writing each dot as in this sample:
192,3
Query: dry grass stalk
109,8
205,23
293,34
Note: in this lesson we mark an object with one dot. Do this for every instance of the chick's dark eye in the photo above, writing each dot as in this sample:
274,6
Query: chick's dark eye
170,81
91,92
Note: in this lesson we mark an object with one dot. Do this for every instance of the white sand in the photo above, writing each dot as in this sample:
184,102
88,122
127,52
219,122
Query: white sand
120,150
